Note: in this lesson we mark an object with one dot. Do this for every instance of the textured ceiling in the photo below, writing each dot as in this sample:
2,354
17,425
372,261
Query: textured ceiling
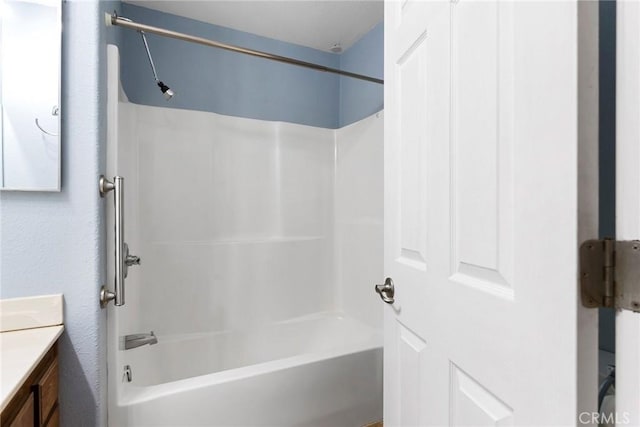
311,23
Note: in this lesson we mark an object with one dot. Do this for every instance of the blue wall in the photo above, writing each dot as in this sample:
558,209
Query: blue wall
228,83
225,82
359,99
54,242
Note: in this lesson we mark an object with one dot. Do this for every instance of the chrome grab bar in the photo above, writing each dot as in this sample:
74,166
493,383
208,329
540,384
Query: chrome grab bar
122,258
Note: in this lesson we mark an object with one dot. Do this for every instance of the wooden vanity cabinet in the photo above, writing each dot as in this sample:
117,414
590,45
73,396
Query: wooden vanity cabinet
26,414
35,404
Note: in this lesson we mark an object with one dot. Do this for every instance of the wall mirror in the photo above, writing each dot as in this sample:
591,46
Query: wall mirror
30,51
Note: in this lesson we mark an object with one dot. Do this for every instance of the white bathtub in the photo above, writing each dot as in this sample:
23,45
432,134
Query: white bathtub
321,370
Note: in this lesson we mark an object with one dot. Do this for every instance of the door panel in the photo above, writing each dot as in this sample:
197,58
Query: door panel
481,222
474,405
411,359
413,205
482,135
419,72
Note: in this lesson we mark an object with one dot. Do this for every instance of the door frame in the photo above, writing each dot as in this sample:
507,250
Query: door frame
627,199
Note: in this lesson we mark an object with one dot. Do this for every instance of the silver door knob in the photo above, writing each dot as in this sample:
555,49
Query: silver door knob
386,291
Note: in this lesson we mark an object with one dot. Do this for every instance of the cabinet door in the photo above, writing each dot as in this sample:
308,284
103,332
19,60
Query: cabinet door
26,415
54,420
47,392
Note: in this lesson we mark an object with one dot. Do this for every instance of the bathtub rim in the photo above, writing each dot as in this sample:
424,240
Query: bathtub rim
131,394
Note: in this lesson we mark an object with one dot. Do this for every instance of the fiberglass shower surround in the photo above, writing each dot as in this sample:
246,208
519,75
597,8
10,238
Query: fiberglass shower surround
258,240
263,260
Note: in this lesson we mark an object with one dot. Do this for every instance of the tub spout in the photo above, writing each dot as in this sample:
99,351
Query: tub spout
137,340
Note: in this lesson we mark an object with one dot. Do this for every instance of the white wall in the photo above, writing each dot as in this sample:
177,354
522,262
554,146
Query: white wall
235,220
359,212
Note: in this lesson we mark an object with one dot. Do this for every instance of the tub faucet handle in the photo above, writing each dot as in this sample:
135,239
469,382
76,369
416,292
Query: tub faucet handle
132,260
129,260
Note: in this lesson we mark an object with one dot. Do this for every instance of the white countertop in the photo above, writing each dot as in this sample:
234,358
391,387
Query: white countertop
30,312
20,353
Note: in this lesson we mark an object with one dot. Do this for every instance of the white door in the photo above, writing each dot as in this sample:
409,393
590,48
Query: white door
628,201
481,216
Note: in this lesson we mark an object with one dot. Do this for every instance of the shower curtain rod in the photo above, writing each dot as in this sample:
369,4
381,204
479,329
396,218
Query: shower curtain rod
126,23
